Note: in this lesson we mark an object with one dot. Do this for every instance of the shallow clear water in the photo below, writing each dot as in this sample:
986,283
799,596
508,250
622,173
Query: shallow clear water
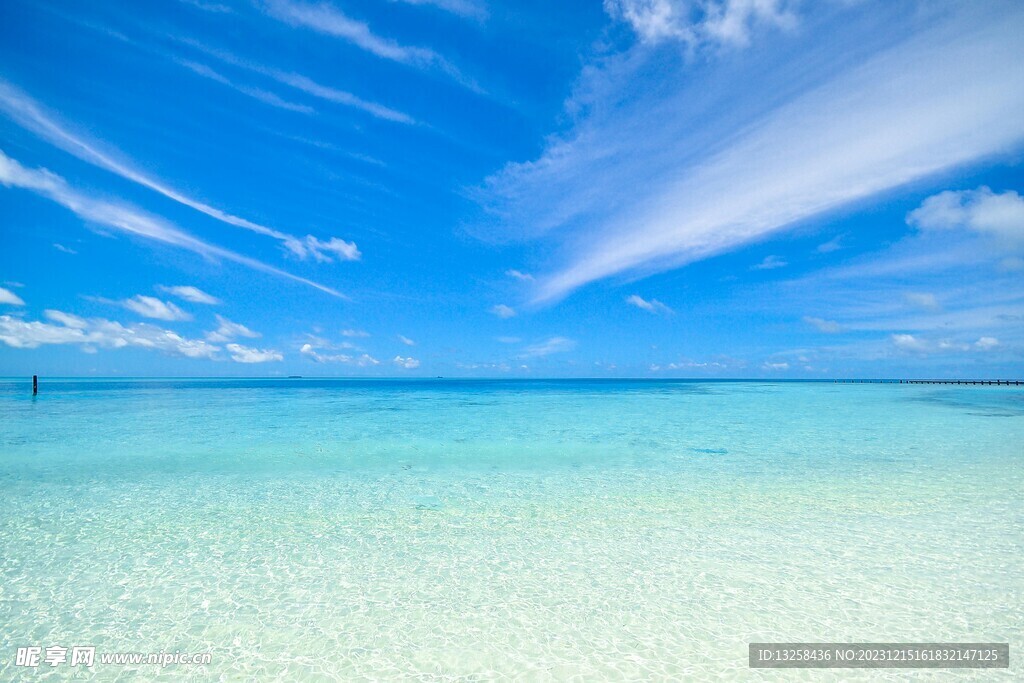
522,530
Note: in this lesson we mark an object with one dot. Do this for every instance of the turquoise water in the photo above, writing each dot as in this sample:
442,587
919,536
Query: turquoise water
440,530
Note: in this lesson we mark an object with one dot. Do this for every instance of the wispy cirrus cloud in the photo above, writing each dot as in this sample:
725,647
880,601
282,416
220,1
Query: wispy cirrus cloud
469,9
28,114
190,293
548,347
228,330
503,311
151,307
127,219
364,360
329,20
519,275
651,306
264,96
652,178
10,298
302,83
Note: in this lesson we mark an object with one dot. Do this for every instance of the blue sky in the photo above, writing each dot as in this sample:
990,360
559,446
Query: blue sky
643,188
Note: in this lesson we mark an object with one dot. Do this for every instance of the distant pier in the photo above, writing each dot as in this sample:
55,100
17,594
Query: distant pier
993,382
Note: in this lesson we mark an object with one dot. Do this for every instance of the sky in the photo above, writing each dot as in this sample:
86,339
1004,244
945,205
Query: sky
635,188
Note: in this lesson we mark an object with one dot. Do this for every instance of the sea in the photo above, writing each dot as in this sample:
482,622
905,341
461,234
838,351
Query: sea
476,530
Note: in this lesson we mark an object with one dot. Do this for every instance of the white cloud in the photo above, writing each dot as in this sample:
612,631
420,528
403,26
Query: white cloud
245,354
325,18
337,96
342,250
355,333
519,275
650,179
364,360
776,366
228,330
503,311
834,244
405,340
548,347
67,319
696,23
302,83
770,263
30,115
9,297
264,96
189,293
922,299
470,9
908,342
827,326
407,363
981,210
127,219
508,340
986,343
151,307
652,306
66,250
99,333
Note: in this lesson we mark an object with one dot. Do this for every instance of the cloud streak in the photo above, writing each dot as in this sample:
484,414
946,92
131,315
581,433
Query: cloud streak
28,114
327,19
634,190
127,219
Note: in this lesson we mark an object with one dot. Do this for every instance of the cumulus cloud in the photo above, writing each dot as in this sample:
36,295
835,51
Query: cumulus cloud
99,333
908,342
548,347
228,331
986,343
151,307
245,354
1000,215
776,366
652,306
920,345
340,249
503,311
10,298
407,363
405,340
699,23
508,340
127,219
189,293
355,333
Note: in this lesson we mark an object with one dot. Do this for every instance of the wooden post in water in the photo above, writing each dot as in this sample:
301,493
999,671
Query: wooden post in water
35,384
